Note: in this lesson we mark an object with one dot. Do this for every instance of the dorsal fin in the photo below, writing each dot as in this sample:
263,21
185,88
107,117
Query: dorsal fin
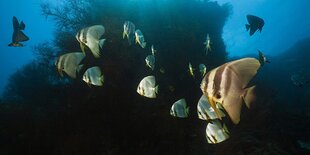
245,69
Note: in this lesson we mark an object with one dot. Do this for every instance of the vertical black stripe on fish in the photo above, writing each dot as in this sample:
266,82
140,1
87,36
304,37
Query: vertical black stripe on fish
84,35
205,83
79,35
209,139
215,140
217,80
228,81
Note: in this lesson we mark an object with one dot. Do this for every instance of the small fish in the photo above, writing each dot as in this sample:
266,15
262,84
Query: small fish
93,76
254,23
150,61
140,38
90,37
147,87
129,31
205,111
299,80
228,85
18,34
162,70
216,132
202,69
69,63
179,109
304,145
191,70
153,50
207,44
262,58
171,88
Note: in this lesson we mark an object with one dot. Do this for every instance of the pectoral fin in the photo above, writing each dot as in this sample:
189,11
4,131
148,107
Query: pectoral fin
213,105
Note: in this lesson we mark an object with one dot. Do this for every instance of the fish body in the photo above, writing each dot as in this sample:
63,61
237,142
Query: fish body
228,85
129,31
191,70
153,50
89,37
179,109
162,70
206,112
147,87
93,76
69,63
140,38
18,34
207,44
299,79
254,24
150,61
216,132
202,69
304,145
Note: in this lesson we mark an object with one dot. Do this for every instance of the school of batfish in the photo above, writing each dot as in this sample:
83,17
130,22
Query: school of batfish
225,88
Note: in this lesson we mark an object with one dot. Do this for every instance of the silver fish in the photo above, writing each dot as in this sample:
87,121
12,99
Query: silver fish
216,132
299,79
150,61
93,76
202,69
129,31
205,111
179,109
153,50
191,70
147,87
207,44
140,38
228,85
90,37
69,63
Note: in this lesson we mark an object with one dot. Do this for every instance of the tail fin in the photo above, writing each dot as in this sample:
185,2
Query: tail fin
143,44
101,42
22,25
156,89
249,96
247,26
187,110
101,78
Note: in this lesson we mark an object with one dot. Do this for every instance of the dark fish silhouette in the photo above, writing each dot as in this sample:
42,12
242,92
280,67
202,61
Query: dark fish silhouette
255,23
262,58
18,34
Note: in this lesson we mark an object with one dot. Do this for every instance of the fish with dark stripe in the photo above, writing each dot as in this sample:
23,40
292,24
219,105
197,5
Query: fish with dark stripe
18,35
228,85
90,37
